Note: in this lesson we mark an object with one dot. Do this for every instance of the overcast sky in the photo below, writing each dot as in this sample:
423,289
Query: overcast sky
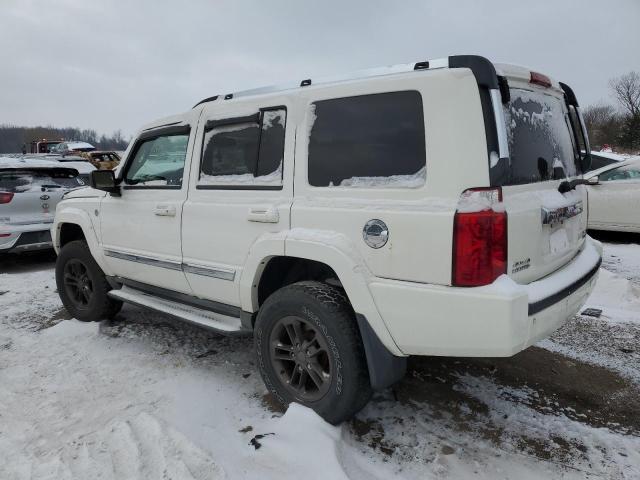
117,64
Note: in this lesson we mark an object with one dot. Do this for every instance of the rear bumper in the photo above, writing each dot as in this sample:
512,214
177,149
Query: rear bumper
24,238
497,320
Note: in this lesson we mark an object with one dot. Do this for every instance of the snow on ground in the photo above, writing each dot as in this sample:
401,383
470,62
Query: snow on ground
146,397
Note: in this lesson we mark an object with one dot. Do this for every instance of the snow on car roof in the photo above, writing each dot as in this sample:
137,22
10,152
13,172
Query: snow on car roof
76,145
28,162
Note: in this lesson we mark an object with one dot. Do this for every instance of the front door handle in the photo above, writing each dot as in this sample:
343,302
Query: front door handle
263,215
165,210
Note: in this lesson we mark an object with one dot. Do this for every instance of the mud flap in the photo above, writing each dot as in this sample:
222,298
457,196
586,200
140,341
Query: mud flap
385,369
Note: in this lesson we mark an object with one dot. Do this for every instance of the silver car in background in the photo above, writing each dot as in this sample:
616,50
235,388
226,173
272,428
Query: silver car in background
29,192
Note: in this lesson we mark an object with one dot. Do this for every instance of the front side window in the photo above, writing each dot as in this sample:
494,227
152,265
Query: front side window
626,172
247,151
158,162
373,141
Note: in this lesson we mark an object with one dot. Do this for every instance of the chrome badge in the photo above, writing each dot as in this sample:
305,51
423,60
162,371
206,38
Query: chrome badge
559,215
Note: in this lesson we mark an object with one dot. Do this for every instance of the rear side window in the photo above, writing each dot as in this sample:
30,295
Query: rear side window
244,152
158,162
626,172
368,141
24,181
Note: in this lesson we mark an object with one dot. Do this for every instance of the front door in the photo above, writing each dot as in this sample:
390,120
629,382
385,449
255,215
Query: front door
240,193
140,229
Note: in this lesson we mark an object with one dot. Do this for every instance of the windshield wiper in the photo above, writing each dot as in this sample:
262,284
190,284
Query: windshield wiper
148,179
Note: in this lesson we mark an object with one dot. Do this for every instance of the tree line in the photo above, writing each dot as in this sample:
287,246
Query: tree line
13,138
617,125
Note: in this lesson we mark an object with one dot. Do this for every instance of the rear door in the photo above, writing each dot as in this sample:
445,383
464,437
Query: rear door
546,228
240,192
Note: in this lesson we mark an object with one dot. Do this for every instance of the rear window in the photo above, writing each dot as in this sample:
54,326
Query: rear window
24,181
541,143
368,141
245,152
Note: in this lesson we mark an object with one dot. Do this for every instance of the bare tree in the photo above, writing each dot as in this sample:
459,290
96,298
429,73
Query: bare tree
597,115
626,90
603,124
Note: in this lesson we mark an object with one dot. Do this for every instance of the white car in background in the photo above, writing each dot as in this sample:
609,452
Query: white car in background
72,146
29,192
614,197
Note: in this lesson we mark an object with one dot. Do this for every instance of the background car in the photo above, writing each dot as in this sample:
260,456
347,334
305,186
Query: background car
29,193
66,147
614,197
101,159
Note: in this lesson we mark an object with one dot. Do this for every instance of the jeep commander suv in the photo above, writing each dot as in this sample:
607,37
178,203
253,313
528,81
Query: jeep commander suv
435,208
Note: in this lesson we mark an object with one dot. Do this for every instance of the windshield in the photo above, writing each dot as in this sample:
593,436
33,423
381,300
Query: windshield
24,181
541,145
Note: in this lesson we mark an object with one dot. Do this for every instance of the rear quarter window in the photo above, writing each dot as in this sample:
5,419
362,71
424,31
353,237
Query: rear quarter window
373,141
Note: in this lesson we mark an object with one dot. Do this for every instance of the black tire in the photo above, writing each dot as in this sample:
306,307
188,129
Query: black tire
86,298
324,314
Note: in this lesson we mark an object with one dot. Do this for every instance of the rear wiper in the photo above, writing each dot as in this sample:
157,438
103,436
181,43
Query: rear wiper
569,185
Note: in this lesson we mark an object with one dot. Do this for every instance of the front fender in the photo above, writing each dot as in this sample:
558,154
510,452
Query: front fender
78,216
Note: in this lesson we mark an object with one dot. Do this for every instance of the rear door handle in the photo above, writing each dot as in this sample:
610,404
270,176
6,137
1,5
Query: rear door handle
263,215
165,210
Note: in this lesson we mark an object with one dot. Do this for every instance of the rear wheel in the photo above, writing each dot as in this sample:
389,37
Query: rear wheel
310,351
82,285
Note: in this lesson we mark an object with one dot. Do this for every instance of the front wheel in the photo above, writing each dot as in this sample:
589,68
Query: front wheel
82,285
310,351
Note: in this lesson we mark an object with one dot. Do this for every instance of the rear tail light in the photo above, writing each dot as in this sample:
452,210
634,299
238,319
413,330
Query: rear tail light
6,197
3,235
540,79
479,238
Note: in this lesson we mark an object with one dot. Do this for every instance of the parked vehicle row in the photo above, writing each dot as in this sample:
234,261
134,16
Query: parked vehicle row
436,208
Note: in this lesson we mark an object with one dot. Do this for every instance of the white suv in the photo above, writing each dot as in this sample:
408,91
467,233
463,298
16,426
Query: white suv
435,208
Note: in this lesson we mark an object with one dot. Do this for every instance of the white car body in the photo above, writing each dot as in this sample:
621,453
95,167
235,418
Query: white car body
615,198
213,240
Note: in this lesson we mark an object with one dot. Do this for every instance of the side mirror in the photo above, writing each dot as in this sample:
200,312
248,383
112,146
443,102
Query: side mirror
593,181
105,180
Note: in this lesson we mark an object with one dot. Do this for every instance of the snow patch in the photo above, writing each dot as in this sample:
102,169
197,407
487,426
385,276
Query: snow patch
415,180
617,297
273,178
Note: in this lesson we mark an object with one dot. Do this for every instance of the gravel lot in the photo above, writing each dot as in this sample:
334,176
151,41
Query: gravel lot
146,397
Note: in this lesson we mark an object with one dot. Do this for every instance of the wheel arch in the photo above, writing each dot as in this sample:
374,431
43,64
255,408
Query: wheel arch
334,255
75,224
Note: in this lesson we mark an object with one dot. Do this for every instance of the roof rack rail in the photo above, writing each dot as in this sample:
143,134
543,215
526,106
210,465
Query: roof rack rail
370,72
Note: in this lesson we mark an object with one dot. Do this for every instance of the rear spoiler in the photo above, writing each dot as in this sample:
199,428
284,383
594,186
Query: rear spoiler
494,91
569,95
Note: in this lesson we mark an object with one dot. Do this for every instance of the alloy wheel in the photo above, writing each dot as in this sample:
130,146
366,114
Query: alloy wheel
300,357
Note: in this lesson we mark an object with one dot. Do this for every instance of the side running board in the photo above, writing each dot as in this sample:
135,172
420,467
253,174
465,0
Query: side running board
215,321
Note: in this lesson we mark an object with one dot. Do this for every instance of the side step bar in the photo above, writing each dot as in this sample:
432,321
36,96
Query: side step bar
215,321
